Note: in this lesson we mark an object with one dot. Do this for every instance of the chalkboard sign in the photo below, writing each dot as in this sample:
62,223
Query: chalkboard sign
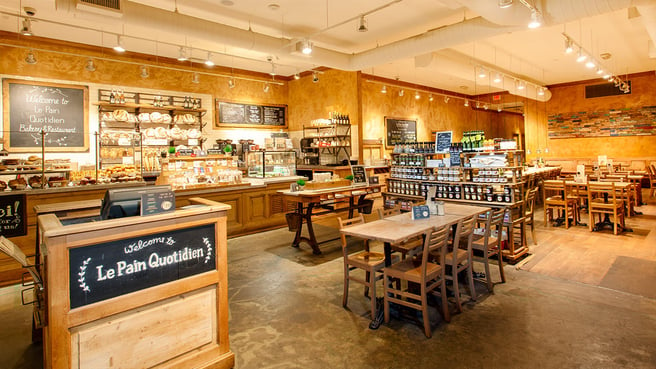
103,271
13,215
443,141
234,114
60,111
400,130
359,174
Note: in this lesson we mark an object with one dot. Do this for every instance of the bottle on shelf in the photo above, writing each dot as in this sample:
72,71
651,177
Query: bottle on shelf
112,97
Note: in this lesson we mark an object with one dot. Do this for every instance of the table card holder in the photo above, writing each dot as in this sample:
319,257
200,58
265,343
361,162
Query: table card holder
580,177
609,165
420,212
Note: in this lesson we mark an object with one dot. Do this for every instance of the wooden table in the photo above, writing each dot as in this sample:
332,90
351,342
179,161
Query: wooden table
331,200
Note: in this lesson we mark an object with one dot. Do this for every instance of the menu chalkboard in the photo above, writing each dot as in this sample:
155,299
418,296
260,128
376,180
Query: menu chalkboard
400,130
359,174
251,115
59,111
100,272
13,215
443,141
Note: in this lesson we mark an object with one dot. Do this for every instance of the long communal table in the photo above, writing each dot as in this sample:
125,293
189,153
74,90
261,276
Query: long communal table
311,203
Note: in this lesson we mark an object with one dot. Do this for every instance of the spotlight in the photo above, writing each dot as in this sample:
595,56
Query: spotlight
485,106
297,76
430,97
315,77
182,55
30,58
209,61
481,73
497,78
91,67
541,91
27,27
568,46
536,19
478,104
119,46
606,76
362,25
266,87
195,78
521,85
446,99
499,108
144,72
401,92
505,3
581,57
590,63
383,90
231,83
466,103
306,47
417,96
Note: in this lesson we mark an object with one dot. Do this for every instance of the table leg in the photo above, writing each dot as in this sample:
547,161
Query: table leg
380,311
351,204
306,214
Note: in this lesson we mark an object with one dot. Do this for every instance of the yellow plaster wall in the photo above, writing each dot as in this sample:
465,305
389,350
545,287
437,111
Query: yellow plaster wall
571,98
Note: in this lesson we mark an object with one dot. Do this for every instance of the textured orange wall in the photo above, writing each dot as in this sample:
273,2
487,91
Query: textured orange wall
68,67
571,98
431,116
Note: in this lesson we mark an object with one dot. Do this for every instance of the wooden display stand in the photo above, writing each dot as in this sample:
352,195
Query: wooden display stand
137,292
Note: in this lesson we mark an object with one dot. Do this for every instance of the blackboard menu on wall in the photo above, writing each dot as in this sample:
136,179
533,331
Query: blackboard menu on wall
103,271
400,130
60,111
13,215
443,141
234,114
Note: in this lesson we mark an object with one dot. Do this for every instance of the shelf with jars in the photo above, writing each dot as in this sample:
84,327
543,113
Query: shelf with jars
329,138
135,128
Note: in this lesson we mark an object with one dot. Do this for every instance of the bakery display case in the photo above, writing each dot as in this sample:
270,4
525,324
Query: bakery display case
190,172
267,164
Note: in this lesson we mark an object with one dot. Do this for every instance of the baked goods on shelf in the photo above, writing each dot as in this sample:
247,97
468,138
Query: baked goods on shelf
35,181
120,115
17,184
3,185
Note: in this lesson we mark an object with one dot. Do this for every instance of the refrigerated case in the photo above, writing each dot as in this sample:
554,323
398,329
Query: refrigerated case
267,164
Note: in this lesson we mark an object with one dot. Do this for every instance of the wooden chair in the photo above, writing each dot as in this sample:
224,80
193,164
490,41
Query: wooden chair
459,258
529,208
558,202
371,263
628,195
603,200
651,172
489,243
405,248
423,271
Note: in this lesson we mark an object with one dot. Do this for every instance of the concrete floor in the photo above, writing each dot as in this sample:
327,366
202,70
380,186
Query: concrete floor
286,312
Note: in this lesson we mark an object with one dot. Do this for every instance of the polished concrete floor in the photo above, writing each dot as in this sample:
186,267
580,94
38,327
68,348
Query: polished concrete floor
286,311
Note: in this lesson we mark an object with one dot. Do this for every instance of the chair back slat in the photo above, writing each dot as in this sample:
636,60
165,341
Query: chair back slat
384,213
344,223
435,245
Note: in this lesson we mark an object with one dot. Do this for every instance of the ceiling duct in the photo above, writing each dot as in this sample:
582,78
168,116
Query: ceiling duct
110,8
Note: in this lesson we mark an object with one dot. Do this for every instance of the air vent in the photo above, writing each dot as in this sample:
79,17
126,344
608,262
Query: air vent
604,89
110,8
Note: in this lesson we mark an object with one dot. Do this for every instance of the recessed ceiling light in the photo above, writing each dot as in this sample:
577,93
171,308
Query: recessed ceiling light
227,2
273,6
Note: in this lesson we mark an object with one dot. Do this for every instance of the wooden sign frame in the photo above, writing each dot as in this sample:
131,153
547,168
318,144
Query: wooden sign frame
388,120
218,123
6,103
359,173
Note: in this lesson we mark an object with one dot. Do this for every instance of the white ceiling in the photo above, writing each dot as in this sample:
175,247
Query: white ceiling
435,43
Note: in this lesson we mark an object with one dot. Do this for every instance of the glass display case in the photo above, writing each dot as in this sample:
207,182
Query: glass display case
267,164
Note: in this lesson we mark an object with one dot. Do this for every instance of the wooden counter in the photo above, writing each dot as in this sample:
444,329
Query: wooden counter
253,208
146,291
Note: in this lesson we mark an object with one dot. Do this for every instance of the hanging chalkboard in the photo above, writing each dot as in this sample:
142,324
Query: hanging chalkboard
103,271
234,114
400,130
13,215
59,110
443,141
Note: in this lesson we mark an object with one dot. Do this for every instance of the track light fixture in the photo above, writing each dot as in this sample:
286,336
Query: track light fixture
536,19
478,104
401,92
30,58
430,97
466,103
383,90
306,47
568,46
541,91
600,71
144,71
266,87
231,83
481,73
497,78
590,63
27,27
315,77
505,4
581,56
119,46
195,78
485,107
417,96
182,54
297,76
209,61
499,108
446,99
91,67
362,24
